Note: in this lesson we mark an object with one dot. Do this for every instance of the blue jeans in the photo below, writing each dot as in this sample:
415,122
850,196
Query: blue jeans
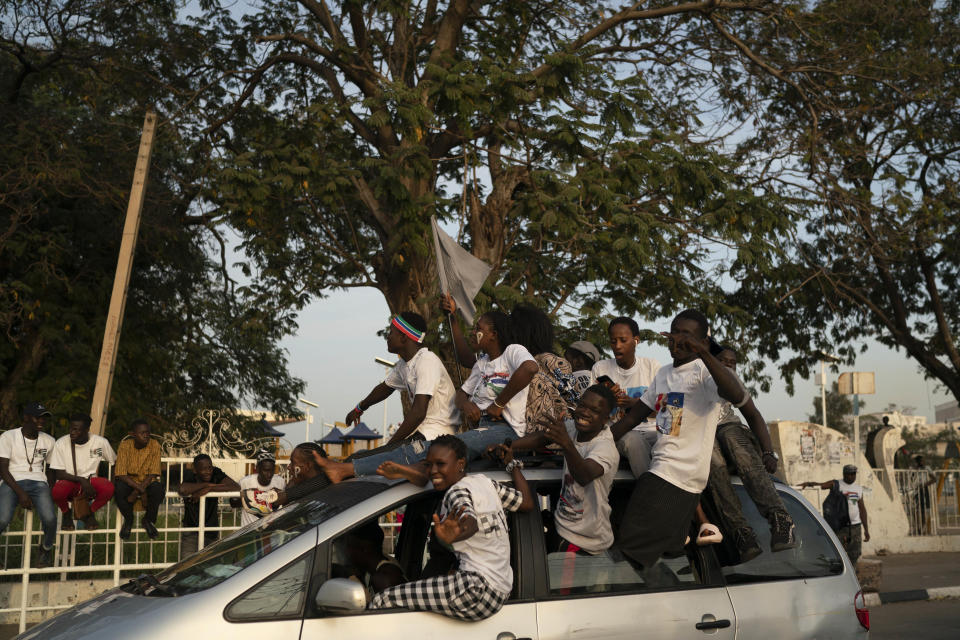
43,506
477,441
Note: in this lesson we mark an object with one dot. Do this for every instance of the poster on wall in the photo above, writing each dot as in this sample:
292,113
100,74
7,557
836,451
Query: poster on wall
840,450
808,445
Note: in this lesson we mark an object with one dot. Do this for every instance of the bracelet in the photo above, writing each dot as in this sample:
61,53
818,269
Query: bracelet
358,409
514,464
498,404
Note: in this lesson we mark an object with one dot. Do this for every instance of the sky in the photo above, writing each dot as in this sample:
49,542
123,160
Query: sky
334,353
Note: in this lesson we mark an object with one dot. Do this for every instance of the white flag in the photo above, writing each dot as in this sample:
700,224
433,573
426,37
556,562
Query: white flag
461,273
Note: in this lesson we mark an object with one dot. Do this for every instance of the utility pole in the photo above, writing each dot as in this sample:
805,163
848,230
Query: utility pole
121,281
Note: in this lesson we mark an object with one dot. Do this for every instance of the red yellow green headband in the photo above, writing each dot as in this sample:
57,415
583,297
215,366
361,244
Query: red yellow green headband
407,330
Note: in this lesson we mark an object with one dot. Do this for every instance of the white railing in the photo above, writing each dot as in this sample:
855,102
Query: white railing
930,500
102,551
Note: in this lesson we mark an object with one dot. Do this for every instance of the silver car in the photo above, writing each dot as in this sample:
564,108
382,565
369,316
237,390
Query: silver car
287,577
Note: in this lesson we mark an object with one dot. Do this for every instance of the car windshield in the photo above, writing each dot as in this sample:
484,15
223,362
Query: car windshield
224,558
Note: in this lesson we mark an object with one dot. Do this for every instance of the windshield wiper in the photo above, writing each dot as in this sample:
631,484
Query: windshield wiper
141,583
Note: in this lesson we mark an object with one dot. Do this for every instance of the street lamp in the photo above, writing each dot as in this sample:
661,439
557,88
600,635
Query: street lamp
824,358
309,417
387,365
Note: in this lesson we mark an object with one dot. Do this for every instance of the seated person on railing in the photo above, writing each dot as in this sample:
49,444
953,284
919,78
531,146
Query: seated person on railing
203,479
255,499
76,459
23,452
137,479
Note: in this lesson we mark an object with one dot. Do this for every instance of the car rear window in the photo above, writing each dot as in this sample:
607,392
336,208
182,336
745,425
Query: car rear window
815,557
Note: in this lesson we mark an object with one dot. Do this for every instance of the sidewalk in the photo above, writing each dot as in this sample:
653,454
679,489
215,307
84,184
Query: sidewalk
917,576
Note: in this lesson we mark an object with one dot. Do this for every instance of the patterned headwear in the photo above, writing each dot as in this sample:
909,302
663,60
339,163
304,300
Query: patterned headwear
264,454
407,329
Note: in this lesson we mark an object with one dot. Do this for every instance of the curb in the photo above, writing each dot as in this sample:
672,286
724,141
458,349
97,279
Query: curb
912,595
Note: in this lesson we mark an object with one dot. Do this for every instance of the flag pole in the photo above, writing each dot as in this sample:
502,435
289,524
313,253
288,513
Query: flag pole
441,273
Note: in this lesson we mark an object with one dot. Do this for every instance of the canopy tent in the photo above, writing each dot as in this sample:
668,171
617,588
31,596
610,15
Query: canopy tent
361,432
334,437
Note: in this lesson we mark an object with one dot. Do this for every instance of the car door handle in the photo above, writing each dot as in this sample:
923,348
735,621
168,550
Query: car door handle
713,624
506,635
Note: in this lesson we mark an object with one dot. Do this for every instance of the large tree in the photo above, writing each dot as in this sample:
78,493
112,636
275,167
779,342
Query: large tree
579,149
75,81
877,174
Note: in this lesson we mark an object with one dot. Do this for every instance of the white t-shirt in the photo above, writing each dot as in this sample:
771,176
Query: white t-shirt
426,375
250,482
489,377
634,381
486,552
88,455
21,450
582,515
854,494
687,406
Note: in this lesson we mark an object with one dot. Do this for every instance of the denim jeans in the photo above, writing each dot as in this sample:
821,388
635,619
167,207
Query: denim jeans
477,441
39,493
738,446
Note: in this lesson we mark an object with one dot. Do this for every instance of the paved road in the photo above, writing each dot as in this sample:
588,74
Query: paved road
924,620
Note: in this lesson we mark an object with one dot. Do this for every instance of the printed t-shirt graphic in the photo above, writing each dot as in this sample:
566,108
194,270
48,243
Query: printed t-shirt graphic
488,379
669,413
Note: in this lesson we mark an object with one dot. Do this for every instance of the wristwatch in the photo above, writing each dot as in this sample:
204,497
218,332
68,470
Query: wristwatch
772,453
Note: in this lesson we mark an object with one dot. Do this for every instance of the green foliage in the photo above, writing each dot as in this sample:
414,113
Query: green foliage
76,80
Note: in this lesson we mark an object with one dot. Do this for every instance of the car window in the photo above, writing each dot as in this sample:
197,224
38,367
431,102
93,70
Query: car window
225,558
815,557
402,554
279,596
571,575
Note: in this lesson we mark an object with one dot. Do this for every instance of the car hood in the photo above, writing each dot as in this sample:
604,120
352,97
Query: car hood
115,614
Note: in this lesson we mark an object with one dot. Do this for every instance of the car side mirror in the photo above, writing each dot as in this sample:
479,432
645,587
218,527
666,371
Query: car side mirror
340,595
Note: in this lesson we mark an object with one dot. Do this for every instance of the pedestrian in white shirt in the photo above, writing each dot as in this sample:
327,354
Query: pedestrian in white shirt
24,453
76,459
422,375
628,377
258,491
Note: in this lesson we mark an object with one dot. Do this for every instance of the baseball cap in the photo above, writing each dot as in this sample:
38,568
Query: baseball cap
849,468
587,349
36,409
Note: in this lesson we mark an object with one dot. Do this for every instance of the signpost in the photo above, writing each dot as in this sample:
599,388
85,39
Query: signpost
855,384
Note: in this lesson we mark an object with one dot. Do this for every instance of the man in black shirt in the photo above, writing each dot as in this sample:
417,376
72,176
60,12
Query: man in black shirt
197,483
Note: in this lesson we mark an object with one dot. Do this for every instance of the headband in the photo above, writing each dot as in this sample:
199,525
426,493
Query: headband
406,329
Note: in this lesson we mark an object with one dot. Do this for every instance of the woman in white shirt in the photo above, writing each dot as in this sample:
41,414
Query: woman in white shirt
473,522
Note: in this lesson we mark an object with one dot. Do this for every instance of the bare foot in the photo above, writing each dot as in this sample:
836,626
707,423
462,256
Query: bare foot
335,471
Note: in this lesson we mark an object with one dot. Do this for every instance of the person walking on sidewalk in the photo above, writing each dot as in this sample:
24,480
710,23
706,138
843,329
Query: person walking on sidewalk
850,534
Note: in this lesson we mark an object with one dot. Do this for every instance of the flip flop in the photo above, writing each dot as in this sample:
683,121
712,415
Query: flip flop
711,538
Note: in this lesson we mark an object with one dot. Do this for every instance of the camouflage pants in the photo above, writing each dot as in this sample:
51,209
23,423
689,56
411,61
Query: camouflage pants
738,447
851,537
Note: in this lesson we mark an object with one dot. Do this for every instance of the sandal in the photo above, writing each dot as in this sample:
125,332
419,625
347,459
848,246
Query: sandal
712,536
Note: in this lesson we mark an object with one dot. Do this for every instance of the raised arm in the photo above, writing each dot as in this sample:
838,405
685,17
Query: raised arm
464,353
380,393
583,470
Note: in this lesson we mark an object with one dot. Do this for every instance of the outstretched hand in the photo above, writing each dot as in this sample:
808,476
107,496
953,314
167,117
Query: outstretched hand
451,527
500,452
556,431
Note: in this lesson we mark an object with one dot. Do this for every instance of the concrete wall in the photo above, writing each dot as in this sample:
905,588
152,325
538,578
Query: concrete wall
69,592
810,452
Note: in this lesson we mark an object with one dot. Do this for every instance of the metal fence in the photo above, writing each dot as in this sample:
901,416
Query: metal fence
930,500
102,553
